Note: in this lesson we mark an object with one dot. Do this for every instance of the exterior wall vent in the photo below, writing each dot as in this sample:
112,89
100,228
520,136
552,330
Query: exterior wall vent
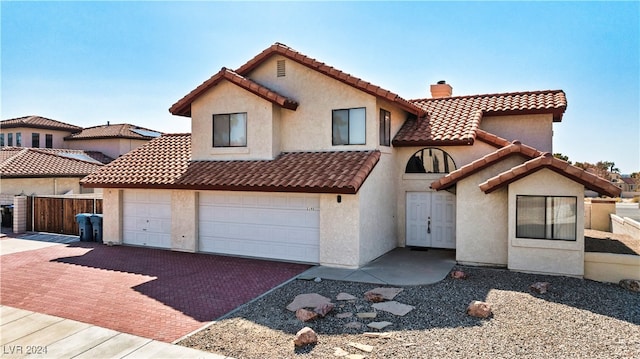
281,69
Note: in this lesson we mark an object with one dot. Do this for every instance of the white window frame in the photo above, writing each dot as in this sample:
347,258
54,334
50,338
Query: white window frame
546,221
352,131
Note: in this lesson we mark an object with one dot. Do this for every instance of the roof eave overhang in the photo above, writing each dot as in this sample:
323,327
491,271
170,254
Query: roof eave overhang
329,190
557,112
403,143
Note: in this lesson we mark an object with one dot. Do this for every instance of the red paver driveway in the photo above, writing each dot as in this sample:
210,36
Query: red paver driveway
152,293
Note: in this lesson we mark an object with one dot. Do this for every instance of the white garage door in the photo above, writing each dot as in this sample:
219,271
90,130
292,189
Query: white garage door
265,225
146,218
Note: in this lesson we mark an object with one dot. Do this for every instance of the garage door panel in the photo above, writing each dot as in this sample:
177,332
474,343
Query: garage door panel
147,218
282,226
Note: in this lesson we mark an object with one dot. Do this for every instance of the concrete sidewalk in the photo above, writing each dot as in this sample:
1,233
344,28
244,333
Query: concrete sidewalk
27,334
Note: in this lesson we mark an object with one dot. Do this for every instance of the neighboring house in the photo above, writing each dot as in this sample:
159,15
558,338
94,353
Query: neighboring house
626,184
292,159
45,171
112,140
39,132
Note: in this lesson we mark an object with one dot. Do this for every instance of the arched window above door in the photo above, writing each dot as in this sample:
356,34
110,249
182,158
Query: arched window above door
430,160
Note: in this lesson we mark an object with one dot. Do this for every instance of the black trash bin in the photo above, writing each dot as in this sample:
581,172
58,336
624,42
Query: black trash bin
84,225
96,223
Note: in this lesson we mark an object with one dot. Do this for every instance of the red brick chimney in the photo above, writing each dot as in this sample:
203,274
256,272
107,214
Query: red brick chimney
441,89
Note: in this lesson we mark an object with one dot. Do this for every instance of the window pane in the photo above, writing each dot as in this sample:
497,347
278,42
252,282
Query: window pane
561,222
238,129
35,140
341,127
18,139
9,139
357,119
385,127
48,141
1,139
220,130
530,215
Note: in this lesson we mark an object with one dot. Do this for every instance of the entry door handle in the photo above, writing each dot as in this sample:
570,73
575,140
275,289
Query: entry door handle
429,225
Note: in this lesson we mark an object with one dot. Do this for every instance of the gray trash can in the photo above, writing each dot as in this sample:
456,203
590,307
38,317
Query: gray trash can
84,224
96,223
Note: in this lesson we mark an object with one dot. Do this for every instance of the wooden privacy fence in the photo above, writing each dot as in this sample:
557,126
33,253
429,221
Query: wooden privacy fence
58,214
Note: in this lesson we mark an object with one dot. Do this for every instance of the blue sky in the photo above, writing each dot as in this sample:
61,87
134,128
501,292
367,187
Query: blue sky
87,63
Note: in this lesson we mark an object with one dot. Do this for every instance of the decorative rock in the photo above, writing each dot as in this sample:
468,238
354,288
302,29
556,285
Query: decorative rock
311,300
353,325
366,315
377,335
394,308
305,336
458,274
324,309
386,293
379,325
317,279
630,284
344,315
479,309
363,347
339,352
345,296
305,315
374,297
540,287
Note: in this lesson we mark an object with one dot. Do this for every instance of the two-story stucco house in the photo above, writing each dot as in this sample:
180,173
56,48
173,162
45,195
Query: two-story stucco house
292,159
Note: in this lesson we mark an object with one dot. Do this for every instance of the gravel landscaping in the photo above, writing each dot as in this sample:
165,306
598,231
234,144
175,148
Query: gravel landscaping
575,319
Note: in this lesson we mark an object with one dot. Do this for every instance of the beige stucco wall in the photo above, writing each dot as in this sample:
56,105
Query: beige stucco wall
609,267
229,98
600,211
532,130
112,147
378,211
547,256
112,215
184,220
339,230
51,185
58,136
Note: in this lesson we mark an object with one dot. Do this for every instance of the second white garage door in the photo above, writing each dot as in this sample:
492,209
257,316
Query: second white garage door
265,225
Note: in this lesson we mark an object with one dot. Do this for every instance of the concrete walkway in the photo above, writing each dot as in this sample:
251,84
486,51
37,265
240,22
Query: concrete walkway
400,267
27,334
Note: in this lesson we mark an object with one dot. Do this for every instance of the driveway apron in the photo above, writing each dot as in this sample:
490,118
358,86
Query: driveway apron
157,294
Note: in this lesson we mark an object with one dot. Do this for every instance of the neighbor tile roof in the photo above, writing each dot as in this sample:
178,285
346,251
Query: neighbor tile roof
33,162
183,107
123,130
547,160
165,163
38,122
455,120
92,155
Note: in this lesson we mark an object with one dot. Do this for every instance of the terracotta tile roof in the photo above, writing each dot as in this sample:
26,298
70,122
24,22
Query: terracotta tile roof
123,130
455,120
182,107
165,163
33,162
515,148
547,160
38,122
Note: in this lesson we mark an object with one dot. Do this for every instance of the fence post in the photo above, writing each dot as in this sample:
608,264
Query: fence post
20,214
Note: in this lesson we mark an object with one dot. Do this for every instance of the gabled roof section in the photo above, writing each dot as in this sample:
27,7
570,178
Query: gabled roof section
124,130
561,167
33,162
455,120
183,106
515,148
38,122
165,163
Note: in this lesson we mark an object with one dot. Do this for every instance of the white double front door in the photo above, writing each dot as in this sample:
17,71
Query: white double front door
431,219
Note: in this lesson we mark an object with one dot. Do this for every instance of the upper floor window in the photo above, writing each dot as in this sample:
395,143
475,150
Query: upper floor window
9,139
230,130
18,139
1,139
546,217
349,126
430,160
48,141
385,127
35,140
